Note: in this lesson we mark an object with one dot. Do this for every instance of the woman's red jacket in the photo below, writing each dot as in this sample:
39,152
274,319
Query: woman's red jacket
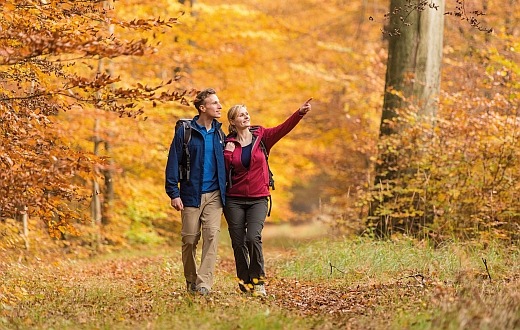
254,182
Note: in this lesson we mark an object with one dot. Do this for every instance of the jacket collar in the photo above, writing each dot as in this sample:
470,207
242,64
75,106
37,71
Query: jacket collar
214,124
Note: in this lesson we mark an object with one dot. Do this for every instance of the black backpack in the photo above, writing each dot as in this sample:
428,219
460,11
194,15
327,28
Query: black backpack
185,164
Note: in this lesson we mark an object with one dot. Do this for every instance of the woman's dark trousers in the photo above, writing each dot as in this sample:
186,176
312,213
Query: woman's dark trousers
245,218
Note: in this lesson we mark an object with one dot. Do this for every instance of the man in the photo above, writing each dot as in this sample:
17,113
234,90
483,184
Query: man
201,194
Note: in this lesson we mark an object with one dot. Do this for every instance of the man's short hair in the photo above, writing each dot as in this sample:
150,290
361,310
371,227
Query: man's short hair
201,96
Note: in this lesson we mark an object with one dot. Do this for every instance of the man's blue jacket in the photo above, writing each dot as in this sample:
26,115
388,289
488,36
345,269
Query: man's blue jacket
190,190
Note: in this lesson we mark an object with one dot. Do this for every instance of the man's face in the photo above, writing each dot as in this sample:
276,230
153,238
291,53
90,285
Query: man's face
211,107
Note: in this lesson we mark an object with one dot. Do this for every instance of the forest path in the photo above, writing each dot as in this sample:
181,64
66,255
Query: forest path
138,287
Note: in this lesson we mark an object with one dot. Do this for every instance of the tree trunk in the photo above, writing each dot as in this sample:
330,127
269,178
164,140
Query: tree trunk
108,191
412,78
25,221
96,203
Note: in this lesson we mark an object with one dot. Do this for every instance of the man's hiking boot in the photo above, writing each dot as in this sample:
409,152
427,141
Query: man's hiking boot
191,287
203,291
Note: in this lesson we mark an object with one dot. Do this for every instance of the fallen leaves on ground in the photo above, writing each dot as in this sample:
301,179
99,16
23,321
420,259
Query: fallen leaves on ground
332,298
129,290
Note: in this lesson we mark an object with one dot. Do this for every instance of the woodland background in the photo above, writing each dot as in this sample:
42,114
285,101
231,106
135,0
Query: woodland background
90,93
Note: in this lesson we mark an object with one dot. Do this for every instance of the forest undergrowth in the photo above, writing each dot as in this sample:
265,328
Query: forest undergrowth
315,282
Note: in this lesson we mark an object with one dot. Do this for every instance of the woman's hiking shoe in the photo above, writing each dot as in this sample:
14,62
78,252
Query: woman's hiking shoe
245,287
258,287
259,290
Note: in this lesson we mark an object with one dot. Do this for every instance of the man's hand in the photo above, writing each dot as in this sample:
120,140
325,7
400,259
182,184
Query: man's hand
306,107
177,204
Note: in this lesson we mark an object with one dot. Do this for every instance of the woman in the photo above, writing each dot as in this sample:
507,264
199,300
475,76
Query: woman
247,190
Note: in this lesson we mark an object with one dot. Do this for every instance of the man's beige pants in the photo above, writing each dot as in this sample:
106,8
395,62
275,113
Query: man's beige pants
205,218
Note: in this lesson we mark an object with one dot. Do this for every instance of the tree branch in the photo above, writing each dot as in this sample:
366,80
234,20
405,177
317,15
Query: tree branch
487,270
332,266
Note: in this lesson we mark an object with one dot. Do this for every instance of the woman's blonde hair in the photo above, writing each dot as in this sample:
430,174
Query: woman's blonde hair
232,115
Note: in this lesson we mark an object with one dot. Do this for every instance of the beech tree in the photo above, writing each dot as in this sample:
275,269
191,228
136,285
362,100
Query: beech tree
413,74
450,171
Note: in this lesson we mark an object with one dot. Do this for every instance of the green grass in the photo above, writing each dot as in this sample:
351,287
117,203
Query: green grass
366,260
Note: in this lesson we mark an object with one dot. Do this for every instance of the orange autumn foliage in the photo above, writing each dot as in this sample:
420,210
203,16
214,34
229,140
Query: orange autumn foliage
269,56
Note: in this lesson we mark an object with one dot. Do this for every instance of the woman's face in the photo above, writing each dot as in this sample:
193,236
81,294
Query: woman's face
242,120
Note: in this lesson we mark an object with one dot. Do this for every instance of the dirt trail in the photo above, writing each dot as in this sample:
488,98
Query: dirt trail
305,231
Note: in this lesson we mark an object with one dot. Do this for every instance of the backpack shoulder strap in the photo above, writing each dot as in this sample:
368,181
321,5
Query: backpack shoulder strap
264,150
187,132
262,145
185,161
222,136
